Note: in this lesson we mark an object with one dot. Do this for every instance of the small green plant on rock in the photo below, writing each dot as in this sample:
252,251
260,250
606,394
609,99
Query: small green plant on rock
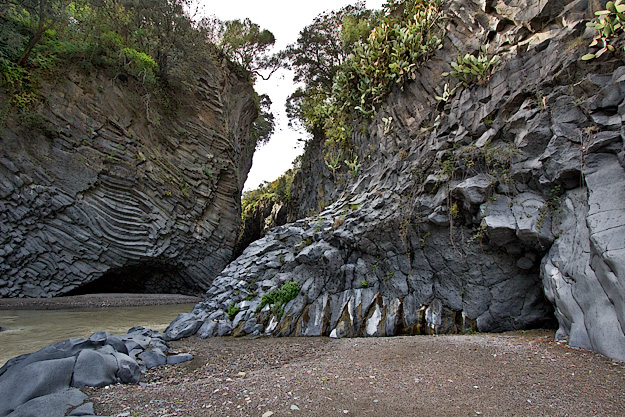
354,166
479,234
333,163
447,93
233,310
609,24
551,208
474,69
279,297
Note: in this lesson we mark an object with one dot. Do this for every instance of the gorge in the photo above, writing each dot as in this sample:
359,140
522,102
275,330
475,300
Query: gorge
485,211
486,202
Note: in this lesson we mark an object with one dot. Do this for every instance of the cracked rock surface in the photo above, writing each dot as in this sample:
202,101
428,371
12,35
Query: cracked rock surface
111,191
499,209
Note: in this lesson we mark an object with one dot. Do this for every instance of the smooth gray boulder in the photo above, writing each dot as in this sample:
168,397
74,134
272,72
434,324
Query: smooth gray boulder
153,357
51,405
38,384
180,358
95,368
20,384
475,190
185,325
498,220
104,366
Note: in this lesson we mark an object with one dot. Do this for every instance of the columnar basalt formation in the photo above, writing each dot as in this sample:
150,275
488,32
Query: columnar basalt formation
102,185
499,208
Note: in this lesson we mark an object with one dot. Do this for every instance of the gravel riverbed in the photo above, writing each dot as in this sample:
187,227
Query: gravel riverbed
510,374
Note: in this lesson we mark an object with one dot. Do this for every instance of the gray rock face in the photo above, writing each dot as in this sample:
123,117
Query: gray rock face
113,199
583,272
464,209
40,383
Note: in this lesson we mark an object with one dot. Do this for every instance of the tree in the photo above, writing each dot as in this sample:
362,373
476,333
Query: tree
324,45
42,15
264,125
321,49
245,43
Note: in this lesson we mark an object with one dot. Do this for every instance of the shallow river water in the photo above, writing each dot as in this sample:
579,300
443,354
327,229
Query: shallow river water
30,330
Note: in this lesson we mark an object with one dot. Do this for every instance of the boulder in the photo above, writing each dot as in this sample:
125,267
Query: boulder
475,190
153,358
180,358
51,405
22,383
95,368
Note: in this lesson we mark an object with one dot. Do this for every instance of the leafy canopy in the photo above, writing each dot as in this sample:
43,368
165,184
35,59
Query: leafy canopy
155,42
245,43
349,60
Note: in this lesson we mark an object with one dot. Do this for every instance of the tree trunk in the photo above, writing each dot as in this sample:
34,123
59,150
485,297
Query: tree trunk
41,28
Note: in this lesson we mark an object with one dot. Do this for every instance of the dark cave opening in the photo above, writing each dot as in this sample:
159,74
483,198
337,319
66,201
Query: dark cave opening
141,278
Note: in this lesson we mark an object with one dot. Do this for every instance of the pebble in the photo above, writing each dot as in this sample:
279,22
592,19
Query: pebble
294,407
267,414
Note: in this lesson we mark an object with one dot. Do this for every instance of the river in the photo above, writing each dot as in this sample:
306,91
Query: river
30,330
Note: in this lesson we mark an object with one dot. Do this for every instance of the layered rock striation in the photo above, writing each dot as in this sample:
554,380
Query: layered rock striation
498,208
103,187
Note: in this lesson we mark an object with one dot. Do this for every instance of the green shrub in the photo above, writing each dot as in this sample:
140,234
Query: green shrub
278,191
404,37
279,297
474,69
12,74
140,64
609,23
409,33
233,310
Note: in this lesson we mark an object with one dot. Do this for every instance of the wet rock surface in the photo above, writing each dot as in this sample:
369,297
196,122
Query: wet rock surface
119,194
457,220
46,382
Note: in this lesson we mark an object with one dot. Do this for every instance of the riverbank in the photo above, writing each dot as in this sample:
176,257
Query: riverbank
95,301
30,324
510,374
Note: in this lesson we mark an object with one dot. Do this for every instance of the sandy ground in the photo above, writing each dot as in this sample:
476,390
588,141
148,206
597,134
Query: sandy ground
94,301
511,374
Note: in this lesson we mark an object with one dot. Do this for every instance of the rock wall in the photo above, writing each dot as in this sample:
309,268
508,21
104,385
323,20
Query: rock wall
499,209
102,189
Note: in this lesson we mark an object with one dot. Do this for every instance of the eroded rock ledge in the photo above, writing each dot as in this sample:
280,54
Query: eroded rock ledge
482,213
117,193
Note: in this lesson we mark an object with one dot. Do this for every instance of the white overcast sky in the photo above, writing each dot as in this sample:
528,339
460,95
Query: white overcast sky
284,19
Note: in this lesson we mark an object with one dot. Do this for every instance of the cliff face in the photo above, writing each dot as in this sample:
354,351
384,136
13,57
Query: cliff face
500,208
101,189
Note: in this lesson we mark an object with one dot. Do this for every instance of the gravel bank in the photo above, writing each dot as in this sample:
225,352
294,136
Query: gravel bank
95,301
512,374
